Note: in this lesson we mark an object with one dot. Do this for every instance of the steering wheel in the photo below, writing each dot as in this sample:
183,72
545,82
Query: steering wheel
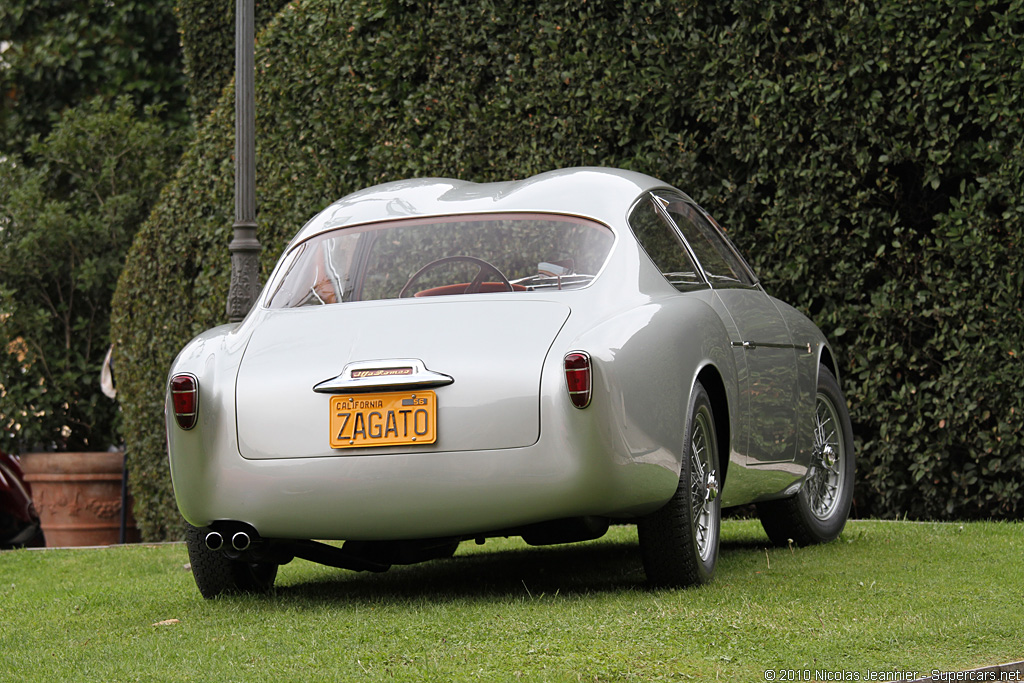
471,288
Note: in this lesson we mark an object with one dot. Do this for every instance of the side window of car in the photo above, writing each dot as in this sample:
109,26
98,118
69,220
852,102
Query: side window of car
663,245
720,260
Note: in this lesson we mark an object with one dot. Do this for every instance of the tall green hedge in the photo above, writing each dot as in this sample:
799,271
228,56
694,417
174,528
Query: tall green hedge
208,45
866,156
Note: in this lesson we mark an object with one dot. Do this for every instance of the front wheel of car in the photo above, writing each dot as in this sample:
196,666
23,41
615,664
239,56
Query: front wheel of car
818,512
217,574
679,542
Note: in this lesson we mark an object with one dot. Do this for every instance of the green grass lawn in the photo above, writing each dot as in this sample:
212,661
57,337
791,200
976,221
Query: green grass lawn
886,596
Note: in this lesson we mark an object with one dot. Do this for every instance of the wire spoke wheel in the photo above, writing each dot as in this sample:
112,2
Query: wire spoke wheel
703,486
825,481
818,512
679,541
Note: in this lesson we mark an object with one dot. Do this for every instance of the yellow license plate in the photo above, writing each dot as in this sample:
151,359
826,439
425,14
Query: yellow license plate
402,418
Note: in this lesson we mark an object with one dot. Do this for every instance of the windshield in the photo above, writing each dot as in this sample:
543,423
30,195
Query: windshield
444,256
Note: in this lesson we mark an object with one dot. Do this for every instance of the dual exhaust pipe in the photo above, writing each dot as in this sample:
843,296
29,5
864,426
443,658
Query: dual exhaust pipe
240,540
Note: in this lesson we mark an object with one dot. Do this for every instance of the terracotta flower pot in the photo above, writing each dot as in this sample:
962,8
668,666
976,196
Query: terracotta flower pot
78,496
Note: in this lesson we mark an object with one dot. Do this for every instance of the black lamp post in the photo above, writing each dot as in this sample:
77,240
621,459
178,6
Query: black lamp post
244,248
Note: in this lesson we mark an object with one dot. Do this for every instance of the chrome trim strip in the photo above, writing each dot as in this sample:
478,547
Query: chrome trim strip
391,373
750,346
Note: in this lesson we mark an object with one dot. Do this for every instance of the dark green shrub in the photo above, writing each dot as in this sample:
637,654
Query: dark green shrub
208,46
866,157
60,53
66,223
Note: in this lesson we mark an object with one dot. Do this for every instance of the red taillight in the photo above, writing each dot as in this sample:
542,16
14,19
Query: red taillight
185,396
577,378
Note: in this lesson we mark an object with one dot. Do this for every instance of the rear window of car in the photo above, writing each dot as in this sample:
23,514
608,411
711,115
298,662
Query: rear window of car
442,257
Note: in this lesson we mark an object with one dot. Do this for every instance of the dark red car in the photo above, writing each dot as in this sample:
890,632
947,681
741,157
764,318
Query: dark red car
19,521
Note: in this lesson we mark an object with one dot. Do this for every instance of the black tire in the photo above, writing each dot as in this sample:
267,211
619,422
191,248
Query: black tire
818,512
29,537
217,574
679,542
38,540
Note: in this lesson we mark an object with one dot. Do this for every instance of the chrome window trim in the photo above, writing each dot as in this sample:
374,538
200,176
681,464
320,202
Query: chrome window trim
747,271
659,208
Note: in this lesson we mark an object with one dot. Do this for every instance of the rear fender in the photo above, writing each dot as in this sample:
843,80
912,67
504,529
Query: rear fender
646,361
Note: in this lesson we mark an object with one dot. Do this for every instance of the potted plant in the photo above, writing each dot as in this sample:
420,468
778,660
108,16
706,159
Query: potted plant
68,212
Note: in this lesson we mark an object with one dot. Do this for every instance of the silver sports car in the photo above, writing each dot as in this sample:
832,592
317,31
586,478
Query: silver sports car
434,360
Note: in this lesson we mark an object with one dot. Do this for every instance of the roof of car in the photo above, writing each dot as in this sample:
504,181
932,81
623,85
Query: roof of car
604,194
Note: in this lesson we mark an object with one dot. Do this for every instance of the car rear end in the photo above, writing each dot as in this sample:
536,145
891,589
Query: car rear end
373,397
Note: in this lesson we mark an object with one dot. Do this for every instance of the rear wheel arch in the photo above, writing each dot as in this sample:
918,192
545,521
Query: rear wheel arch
826,359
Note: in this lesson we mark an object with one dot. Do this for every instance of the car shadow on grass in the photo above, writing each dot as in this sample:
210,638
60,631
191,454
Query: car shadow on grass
522,573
